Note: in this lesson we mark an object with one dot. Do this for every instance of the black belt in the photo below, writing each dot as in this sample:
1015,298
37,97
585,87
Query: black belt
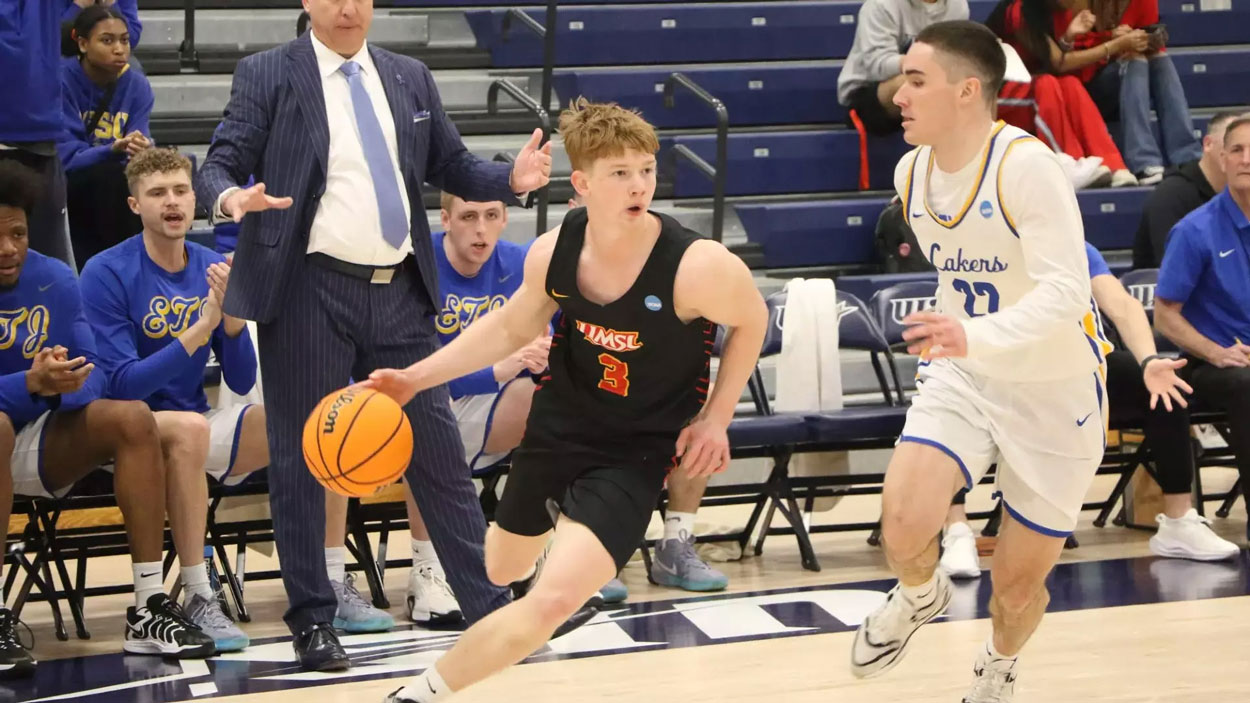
381,275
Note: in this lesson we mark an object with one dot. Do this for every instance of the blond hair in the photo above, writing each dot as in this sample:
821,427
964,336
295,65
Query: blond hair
155,160
594,131
446,200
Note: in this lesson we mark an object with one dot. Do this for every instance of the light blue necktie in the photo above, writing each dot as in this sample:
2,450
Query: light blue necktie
378,157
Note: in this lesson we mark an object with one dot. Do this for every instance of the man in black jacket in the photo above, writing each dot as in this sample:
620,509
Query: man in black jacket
1180,192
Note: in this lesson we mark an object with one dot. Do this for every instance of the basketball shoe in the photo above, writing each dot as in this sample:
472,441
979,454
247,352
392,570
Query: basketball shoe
959,552
677,565
882,638
15,659
162,627
995,679
354,613
430,599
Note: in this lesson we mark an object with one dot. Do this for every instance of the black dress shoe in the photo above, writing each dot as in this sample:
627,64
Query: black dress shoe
581,617
318,649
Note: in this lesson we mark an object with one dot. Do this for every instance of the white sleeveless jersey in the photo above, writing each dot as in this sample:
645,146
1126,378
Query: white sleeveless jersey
1010,258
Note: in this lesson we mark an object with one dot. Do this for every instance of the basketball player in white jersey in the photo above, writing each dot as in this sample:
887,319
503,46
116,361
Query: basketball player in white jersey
1012,357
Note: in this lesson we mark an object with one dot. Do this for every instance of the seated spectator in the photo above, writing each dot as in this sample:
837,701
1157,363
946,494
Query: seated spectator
872,72
154,303
106,109
1202,302
55,428
128,8
1142,387
1063,104
1138,80
1182,190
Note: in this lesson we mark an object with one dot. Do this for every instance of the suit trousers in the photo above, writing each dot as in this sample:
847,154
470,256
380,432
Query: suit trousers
335,327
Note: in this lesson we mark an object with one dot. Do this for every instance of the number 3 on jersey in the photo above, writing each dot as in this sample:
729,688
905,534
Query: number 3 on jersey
978,289
615,375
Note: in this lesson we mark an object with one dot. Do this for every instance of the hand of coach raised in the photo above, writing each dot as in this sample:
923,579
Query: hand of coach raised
252,199
532,169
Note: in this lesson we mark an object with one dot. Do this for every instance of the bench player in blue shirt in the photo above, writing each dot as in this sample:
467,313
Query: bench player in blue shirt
55,428
1202,302
154,303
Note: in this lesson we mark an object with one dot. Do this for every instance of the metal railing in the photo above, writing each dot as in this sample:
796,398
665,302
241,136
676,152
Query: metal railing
188,57
681,151
546,32
544,120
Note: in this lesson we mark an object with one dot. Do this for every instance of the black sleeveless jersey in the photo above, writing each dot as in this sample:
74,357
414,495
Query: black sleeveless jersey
625,377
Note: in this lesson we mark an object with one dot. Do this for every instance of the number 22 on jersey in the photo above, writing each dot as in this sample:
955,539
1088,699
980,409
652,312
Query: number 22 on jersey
615,375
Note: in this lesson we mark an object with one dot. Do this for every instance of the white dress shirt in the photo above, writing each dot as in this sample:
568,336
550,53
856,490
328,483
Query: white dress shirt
347,225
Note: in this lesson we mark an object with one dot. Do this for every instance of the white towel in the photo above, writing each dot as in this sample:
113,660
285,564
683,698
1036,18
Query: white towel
227,398
809,371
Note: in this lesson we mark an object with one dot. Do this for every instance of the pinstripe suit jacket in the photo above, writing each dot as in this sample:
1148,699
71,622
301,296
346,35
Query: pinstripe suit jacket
275,128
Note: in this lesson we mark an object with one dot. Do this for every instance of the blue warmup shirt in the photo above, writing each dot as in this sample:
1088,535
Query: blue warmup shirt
1206,268
129,10
129,110
1097,264
30,51
138,310
44,309
466,299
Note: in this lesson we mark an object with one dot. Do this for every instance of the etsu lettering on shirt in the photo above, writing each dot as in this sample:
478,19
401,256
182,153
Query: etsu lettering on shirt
460,312
961,265
35,322
170,317
609,339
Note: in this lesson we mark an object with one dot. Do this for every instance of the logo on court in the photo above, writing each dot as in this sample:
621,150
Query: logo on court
653,303
987,210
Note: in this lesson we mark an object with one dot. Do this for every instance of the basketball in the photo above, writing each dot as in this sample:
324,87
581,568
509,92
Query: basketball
357,441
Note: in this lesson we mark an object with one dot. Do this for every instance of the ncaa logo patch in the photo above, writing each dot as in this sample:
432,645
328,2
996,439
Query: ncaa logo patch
987,210
653,303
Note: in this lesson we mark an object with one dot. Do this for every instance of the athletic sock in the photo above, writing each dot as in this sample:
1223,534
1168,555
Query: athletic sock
678,525
922,594
336,563
423,553
429,687
993,655
148,581
195,580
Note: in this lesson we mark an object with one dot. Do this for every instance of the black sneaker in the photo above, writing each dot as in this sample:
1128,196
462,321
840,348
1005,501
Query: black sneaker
161,627
15,659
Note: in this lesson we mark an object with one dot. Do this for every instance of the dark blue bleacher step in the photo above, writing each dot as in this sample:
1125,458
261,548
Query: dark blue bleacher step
754,95
839,233
607,34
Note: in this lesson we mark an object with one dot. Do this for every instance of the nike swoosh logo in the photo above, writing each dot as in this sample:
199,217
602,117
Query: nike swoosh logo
431,686
1081,422
916,215
1222,255
154,573
44,288
666,568
557,295
505,278
422,118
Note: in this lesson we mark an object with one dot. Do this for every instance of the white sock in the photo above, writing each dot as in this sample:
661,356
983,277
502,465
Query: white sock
336,563
423,553
993,653
195,580
148,582
924,593
675,524
427,688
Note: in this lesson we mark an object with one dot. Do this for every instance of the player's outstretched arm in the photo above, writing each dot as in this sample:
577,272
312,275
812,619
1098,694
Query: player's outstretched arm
490,339
714,283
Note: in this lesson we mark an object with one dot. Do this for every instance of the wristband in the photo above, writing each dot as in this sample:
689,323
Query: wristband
1145,362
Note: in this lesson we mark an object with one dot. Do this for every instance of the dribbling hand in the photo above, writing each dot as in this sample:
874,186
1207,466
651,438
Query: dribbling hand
1163,383
935,334
704,448
399,384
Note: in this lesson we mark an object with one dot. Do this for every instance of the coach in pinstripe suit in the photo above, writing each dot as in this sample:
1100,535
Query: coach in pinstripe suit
335,264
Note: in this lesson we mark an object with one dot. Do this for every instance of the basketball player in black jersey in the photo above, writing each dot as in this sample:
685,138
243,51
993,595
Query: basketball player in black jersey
624,401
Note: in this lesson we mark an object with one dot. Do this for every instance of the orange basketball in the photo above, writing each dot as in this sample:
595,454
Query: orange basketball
357,441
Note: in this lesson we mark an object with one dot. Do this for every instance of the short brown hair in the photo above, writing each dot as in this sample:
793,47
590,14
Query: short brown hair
155,160
976,45
592,131
446,200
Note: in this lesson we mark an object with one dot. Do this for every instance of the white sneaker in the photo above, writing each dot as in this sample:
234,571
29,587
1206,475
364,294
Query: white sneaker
1188,537
882,638
995,682
959,552
430,600
1123,178
1150,175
